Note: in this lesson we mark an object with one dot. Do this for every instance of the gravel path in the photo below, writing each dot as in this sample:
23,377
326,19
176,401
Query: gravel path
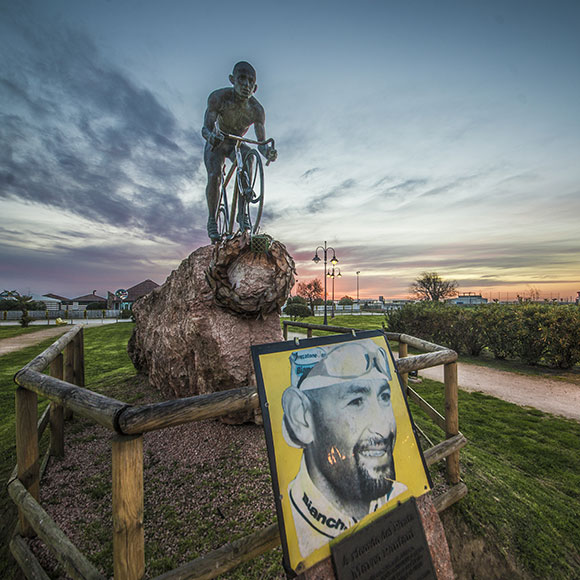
549,395
17,342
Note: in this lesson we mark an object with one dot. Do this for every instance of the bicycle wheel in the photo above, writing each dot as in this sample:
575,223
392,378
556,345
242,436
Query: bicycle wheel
222,217
235,209
251,185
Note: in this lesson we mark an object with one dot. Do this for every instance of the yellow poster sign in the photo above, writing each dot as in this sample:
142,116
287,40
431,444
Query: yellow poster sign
340,438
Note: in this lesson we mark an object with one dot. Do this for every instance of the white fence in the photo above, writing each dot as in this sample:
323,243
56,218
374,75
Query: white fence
64,314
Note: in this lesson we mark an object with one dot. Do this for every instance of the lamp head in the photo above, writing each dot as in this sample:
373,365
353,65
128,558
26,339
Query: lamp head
316,259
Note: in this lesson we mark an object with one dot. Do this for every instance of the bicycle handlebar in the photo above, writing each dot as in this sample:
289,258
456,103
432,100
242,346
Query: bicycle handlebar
245,140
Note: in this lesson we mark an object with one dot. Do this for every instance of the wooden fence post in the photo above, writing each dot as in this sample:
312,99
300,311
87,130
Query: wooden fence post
285,330
128,533
27,449
451,418
69,370
404,352
57,412
79,360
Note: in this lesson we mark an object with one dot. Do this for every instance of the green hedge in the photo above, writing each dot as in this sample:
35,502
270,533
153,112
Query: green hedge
535,333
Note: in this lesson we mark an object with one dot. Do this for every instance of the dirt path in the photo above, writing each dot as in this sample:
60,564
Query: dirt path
17,342
549,395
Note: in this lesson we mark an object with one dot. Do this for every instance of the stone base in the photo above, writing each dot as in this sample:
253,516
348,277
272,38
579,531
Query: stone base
187,344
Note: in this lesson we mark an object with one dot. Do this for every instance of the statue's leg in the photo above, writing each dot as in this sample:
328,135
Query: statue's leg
245,194
214,162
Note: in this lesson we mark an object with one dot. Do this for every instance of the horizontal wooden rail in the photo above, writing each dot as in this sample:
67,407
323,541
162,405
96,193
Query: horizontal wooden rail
75,564
227,557
41,362
103,410
452,495
143,418
423,361
419,344
444,449
26,559
438,419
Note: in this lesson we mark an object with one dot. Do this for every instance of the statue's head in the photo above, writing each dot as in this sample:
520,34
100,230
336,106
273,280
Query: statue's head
243,78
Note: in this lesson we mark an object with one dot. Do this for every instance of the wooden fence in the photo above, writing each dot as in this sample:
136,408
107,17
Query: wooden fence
64,387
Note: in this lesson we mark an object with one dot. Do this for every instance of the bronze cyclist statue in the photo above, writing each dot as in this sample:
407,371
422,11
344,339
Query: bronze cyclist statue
230,113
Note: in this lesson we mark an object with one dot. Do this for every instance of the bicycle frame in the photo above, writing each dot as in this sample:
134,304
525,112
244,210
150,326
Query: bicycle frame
237,164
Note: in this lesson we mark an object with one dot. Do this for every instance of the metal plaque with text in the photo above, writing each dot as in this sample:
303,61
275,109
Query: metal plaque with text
393,547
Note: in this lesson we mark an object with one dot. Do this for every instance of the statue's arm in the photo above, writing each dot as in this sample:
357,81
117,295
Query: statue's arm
209,120
260,128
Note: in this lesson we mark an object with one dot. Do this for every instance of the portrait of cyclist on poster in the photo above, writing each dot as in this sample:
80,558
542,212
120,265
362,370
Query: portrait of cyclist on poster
338,411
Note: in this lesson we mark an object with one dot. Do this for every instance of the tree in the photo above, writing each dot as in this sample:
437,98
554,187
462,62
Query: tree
23,303
310,291
430,286
297,300
346,301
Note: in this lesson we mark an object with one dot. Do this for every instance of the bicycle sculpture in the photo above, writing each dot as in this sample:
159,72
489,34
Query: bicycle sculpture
248,194
230,113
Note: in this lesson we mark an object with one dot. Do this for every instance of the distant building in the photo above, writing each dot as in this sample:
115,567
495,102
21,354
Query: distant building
61,299
468,299
134,293
140,290
81,302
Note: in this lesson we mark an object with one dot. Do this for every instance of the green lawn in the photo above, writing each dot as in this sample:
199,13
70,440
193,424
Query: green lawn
522,467
350,320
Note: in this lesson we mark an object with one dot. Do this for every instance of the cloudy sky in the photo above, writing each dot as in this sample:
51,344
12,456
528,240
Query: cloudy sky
413,136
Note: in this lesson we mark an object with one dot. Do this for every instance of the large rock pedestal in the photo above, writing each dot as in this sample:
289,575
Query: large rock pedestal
187,344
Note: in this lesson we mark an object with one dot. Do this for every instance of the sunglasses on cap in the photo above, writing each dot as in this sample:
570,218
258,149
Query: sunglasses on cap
349,361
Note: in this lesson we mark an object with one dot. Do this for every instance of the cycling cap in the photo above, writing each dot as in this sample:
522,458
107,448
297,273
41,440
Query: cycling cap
363,359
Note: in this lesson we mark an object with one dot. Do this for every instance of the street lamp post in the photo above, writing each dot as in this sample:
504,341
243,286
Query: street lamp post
332,274
334,260
357,300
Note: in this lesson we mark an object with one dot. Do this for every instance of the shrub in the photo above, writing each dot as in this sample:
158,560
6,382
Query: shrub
502,330
125,314
468,332
535,333
426,320
534,322
563,337
297,311
7,304
95,306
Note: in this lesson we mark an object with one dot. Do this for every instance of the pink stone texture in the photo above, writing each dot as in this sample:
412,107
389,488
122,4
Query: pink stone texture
187,345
